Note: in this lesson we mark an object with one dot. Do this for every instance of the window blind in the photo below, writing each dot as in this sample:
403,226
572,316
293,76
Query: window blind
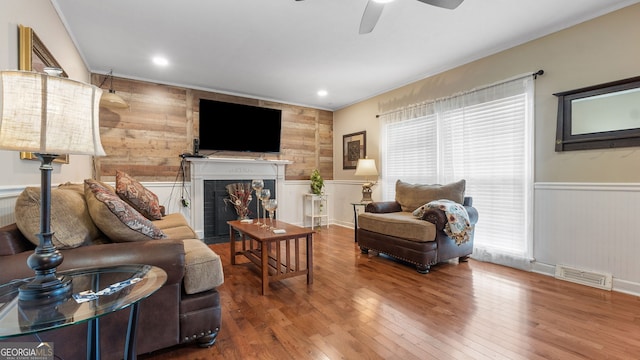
483,136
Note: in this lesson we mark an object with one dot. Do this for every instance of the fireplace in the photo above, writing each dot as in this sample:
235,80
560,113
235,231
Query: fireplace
217,212
227,170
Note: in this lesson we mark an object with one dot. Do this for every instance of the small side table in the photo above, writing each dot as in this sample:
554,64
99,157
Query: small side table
355,218
17,318
316,207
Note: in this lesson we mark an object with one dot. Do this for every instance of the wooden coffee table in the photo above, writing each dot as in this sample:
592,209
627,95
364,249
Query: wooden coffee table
278,256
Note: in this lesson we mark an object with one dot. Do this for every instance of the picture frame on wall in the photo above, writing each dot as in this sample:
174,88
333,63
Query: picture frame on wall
34,56
354,147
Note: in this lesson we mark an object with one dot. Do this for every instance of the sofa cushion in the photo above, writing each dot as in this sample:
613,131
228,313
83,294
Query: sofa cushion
70,221
412,196
138,196
203,267
180,233
170,221
176,227
399,224
117,219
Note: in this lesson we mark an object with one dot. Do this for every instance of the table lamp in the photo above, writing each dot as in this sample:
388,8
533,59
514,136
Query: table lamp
49,116
367,168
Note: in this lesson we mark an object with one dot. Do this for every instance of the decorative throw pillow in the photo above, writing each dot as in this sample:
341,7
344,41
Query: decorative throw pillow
136,195
412,196
70,221
117,219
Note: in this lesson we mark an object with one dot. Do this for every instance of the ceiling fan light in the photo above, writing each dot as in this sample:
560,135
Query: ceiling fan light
112,100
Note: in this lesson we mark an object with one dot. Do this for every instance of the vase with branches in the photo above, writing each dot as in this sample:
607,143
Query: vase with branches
239,198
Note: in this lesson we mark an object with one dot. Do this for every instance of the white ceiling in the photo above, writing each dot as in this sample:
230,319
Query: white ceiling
286,50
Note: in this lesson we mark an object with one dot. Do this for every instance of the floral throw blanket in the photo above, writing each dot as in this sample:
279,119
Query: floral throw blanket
458,226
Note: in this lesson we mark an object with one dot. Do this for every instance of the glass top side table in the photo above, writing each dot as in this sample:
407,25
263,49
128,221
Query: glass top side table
109,289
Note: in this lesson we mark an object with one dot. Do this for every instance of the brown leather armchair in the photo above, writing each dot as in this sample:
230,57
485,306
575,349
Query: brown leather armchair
388,232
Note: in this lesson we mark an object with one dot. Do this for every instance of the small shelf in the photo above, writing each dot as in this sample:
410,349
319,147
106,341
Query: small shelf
316,210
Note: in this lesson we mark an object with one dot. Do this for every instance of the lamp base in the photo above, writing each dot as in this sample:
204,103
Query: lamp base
46,287
39,314
45,290
366,193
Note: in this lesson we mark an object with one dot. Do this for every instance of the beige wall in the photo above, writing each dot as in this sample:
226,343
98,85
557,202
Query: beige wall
42,17
597,51
601,50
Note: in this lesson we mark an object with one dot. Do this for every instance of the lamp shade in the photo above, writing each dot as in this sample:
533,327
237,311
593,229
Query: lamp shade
112,100
366,167
49,114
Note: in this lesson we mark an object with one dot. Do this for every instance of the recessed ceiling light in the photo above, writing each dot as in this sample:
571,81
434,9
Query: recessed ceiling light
322,93
160,61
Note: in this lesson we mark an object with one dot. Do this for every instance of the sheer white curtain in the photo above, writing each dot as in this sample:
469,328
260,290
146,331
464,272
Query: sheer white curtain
484,136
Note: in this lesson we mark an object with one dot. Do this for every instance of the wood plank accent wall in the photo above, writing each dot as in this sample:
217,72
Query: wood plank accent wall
146,139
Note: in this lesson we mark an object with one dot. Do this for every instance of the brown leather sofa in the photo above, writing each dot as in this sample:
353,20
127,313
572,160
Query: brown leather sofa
391,228
186,309
168,317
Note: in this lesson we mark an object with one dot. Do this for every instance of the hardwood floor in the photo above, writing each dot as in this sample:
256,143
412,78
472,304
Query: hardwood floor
370,307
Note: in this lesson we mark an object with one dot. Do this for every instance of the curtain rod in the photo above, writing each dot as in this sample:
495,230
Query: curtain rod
535,76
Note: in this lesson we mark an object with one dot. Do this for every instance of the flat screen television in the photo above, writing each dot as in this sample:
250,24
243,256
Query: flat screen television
235,127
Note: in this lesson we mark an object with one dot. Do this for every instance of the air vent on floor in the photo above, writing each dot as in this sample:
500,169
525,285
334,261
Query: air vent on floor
601,281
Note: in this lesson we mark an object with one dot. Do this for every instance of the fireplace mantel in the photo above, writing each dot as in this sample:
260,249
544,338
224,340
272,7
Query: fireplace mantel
229,169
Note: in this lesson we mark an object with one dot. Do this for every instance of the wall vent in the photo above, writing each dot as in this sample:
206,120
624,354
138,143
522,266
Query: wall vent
601,281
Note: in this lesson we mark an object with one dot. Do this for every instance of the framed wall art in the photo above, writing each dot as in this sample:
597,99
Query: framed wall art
34,56
354,147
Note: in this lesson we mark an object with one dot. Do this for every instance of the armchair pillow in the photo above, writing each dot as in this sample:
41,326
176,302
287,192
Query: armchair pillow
412,196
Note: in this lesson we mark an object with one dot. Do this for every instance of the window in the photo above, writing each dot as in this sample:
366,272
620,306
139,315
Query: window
484,136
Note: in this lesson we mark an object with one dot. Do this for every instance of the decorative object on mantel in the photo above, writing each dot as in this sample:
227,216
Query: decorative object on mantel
111,99
354,147
257,185
367,168
48,115
239,197
317,183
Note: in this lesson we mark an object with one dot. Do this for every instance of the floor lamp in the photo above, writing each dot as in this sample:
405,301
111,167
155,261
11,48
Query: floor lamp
47,115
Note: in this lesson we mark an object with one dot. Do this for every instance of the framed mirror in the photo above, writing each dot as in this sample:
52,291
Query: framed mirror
34,56
600,116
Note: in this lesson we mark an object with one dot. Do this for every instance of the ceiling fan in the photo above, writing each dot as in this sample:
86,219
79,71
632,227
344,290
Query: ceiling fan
374,9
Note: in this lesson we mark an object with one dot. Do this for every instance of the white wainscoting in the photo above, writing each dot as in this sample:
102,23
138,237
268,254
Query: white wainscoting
168,194
589,226
8,196
581,225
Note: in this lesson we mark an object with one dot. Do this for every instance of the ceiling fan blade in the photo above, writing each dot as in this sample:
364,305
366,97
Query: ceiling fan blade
370,17
447,4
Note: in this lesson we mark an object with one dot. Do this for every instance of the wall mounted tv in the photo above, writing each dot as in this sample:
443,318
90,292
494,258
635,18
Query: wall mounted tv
235,127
